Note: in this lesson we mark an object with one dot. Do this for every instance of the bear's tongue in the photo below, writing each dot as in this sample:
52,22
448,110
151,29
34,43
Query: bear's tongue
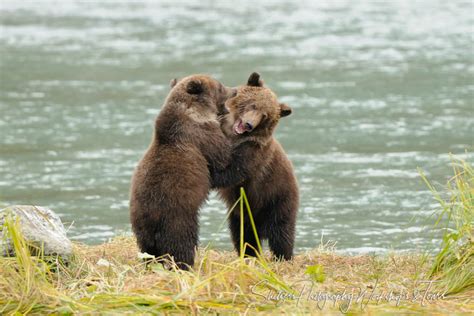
239,127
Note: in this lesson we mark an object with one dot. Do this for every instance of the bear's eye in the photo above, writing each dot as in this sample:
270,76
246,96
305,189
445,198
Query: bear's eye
253,107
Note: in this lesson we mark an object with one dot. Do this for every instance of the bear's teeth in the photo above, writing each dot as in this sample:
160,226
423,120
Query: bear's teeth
238,127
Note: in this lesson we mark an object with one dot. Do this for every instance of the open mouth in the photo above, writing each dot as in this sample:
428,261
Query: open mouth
239,127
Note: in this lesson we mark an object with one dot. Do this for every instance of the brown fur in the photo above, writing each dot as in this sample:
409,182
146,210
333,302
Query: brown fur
259,165
172,180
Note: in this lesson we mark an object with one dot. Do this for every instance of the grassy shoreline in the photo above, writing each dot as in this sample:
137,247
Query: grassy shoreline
111,278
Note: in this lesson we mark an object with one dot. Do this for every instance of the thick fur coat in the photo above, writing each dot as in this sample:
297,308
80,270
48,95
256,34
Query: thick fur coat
173,178
259,165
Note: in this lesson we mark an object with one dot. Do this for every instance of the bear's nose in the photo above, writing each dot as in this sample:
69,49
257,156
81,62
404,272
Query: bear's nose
248,126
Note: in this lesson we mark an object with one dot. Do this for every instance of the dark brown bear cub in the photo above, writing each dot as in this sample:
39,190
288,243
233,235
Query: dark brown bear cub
259,165
172,180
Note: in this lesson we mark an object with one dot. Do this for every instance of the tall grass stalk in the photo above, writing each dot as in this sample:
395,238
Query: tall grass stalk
454,264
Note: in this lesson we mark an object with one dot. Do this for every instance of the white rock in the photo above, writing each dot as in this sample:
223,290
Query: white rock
40,226
103,262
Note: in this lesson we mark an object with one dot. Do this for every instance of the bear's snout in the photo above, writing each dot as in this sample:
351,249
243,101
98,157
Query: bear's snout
250,120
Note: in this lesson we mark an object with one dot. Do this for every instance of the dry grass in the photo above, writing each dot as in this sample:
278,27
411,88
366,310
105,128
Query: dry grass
110,279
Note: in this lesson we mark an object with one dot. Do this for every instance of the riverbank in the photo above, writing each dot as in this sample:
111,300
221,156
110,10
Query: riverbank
110,279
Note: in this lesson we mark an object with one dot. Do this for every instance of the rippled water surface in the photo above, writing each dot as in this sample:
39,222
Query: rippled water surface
378,89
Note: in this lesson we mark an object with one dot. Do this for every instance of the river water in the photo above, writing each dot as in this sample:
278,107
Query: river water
378,89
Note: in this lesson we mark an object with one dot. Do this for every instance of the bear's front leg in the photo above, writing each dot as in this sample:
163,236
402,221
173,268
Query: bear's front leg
241,162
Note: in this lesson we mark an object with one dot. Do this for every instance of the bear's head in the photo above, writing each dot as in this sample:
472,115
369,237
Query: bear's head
254,111
201,95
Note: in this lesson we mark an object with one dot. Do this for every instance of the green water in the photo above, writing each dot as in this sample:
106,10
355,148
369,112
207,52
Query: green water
378,89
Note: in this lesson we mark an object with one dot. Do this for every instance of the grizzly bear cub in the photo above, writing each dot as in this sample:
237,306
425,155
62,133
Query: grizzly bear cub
259,165
172,180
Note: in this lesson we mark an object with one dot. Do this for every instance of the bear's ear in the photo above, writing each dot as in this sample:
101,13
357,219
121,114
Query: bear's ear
173,82
194,87
254,80
285,110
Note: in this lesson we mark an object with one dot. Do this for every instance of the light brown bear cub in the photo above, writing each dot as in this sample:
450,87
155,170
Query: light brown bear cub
173,178
259,165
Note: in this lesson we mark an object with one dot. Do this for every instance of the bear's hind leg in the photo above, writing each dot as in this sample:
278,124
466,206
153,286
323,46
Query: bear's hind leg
146,240
178,237
169,236
280,229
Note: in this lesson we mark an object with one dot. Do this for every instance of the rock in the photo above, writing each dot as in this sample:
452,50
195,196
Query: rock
40,226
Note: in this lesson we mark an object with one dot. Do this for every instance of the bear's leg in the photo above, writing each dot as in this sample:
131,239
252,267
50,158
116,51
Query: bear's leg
249,236
144,227
280,229
145,235
173,236
178,237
